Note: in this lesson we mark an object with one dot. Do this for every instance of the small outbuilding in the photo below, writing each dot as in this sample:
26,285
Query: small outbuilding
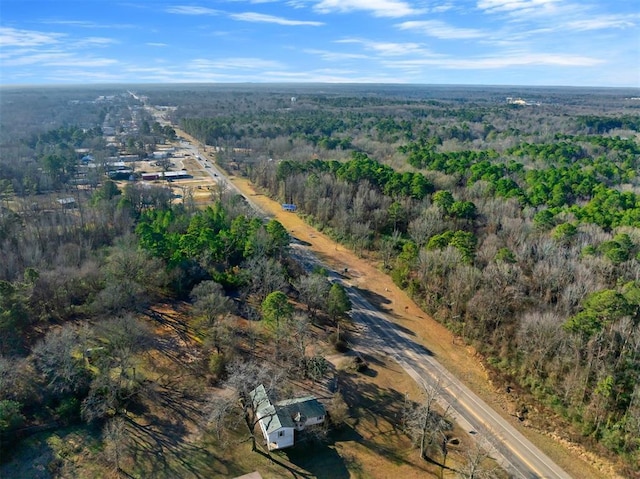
289,207
150,176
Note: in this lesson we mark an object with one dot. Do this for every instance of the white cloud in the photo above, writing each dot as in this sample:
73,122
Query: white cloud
78,75
378,8
191,10
438,29
83,62
262,18
329,76
560,15
238,63
445,7
97,41
49,59
502,61
34,49
518,6
156,44
388,48
600,22
88,24
336,56
13,37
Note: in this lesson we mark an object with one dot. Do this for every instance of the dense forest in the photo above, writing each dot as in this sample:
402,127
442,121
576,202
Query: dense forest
517,226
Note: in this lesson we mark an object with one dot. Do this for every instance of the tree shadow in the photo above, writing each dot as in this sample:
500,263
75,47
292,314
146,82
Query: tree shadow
179,403
369,372
374,298
178,326
159,449
296,240
393,335
320,459
160,437
383,409
378,403
378,302
404,329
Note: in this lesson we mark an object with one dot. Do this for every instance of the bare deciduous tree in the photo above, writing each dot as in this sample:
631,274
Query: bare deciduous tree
211,305
264,276
115,437
477,464
421,420
313,289
116,382
427,224
59,358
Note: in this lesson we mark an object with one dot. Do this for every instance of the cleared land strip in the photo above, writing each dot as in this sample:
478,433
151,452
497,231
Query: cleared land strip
512,450
509,447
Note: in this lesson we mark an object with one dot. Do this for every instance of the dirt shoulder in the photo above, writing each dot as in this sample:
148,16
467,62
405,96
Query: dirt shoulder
462,361
458,358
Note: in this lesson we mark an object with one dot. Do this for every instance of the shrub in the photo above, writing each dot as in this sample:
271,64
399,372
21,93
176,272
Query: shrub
68,410
339,343
10,416
217,363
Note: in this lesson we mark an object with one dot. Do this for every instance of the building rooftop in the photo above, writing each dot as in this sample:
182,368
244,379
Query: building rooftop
283,413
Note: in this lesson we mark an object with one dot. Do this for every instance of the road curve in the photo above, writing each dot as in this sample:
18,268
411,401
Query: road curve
508,446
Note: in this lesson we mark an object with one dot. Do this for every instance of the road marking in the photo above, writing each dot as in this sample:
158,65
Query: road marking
368,316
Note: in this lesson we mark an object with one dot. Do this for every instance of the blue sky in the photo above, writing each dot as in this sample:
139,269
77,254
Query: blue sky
492,42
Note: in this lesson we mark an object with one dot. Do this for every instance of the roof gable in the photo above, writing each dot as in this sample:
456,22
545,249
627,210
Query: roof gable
307,407
281,415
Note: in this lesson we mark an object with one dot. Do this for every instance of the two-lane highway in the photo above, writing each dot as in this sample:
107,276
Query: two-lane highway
514,452
508,446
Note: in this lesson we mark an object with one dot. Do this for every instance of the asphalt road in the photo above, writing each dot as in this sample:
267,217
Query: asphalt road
514,452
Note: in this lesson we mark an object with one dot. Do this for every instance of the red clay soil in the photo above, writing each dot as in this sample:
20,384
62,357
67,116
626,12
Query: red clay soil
458,358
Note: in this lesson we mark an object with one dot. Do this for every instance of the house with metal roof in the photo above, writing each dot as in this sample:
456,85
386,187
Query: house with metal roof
279,421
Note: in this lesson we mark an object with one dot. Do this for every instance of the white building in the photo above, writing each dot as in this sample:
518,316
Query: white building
278,422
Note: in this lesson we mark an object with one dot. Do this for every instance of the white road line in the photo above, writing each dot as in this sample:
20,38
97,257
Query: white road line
500,434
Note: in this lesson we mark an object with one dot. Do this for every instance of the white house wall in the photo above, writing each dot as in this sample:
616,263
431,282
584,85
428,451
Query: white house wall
312,421
279,442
